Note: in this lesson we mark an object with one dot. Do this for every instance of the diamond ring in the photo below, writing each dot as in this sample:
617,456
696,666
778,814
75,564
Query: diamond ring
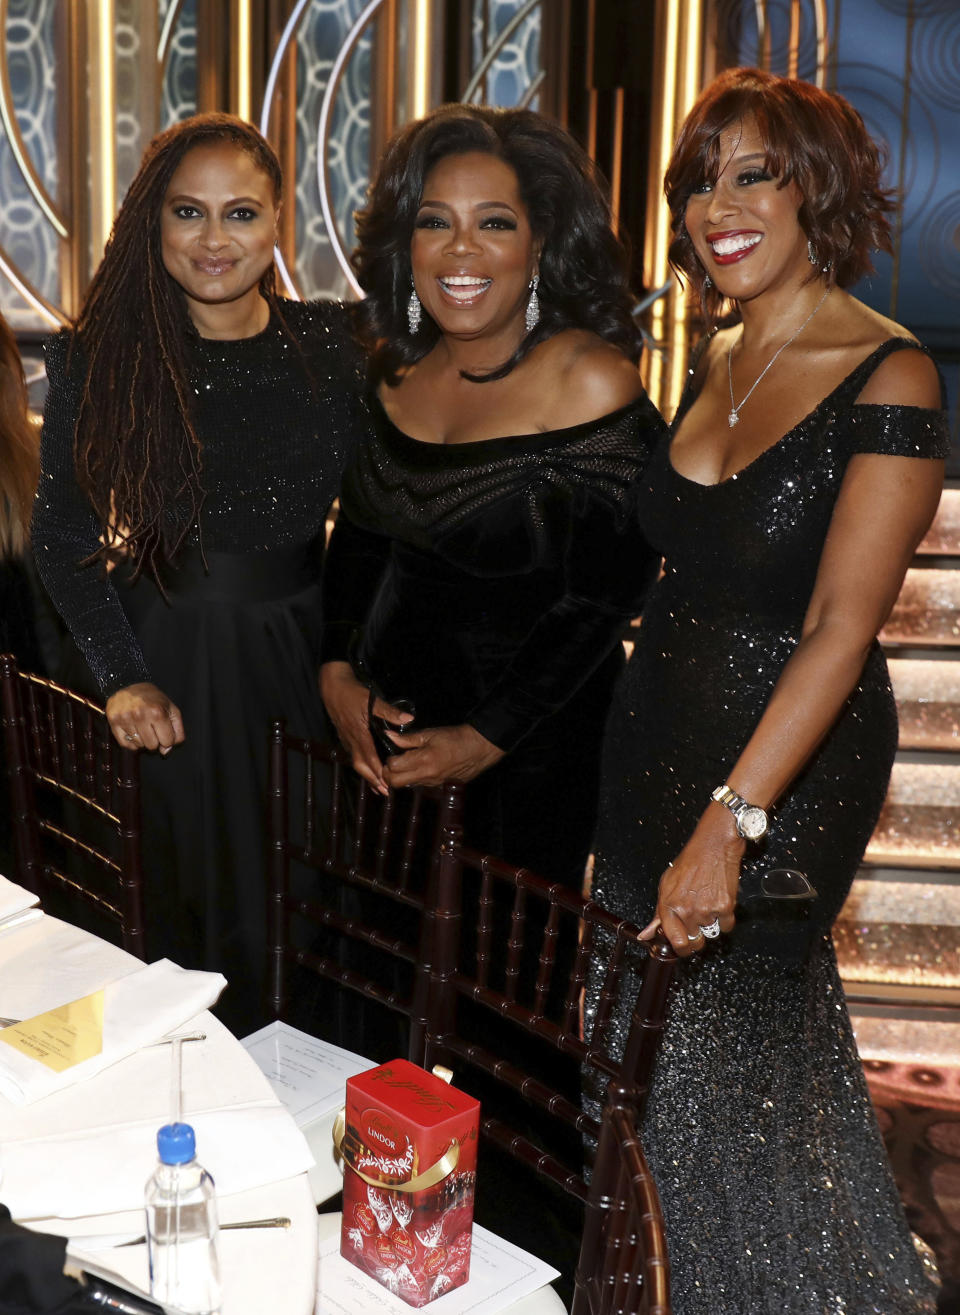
712,931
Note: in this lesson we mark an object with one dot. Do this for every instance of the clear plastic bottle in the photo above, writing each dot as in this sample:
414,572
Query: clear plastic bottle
182,1226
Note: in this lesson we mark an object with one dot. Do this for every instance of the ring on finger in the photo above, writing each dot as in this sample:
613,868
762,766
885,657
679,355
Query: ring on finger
128,736
712,930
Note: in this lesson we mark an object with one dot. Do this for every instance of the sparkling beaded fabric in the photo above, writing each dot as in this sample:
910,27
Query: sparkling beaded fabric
759,1131
234,641
277,416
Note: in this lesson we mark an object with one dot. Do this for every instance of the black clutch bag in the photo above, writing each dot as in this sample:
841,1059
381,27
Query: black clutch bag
379,726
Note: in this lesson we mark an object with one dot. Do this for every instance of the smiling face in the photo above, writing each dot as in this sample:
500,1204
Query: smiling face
744,228
473,253
218,226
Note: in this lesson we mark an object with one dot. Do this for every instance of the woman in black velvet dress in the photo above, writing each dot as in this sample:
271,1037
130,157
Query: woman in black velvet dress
197,425
486,556
755,727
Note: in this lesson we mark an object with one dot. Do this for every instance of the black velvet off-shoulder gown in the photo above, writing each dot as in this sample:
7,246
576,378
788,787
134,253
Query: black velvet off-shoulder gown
771,1171
235,642
488,583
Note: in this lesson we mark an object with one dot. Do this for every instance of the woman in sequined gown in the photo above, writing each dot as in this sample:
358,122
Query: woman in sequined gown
803,467
204,422
486,559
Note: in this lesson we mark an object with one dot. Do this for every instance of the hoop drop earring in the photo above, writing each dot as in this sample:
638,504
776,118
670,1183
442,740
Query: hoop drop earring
414,310
531,316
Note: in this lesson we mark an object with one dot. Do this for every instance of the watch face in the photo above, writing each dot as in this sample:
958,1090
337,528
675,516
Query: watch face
752,823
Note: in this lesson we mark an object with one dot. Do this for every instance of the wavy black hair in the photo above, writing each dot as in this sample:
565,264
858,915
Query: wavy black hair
583,267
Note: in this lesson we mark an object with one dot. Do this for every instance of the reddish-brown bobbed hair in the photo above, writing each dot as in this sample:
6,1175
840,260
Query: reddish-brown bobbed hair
812,137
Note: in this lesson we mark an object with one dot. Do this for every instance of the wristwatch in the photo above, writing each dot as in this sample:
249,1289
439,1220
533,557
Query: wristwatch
751,820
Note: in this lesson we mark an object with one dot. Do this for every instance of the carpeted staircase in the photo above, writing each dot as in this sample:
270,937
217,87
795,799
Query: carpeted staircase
898,937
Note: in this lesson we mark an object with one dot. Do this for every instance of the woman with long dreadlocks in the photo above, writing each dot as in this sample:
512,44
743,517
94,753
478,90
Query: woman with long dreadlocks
193,439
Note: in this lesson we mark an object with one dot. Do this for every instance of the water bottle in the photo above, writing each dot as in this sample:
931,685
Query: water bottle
182,1226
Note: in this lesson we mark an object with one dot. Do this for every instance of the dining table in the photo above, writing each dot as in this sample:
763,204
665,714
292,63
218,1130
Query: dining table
75,1161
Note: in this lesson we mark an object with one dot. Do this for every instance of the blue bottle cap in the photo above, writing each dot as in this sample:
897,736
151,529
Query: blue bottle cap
176,1143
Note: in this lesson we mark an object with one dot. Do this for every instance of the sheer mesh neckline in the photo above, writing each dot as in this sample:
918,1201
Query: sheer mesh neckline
545,437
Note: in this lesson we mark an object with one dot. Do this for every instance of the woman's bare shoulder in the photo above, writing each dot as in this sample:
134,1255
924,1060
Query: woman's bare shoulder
585,377
906,377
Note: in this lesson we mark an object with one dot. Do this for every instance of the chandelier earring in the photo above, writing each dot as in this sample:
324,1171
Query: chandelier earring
414,310
707,282
531,316
815,259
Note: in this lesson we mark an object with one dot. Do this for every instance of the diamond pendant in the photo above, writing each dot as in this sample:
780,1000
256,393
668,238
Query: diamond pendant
733,419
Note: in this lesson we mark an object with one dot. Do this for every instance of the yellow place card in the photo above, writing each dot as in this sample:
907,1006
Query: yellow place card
64,1036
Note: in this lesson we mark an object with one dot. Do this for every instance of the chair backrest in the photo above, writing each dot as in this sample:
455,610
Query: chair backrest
75,796
623,1267
520,950
351,874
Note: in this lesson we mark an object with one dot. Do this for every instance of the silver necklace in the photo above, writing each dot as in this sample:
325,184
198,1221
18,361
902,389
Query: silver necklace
734,417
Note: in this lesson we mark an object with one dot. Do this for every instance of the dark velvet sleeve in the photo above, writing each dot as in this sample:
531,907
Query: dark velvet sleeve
355,562
608,568
66,532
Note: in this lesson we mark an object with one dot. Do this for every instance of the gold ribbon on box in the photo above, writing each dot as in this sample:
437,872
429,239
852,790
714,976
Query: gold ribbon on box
419,1183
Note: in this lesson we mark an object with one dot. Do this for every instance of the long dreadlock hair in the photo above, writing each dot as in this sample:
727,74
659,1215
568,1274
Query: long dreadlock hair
136,452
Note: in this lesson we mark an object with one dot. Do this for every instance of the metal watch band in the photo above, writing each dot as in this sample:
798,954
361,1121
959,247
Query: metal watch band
751,819
729,798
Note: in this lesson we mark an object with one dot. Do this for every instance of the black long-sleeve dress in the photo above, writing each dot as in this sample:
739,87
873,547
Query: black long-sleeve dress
489,583
234,646
773,1178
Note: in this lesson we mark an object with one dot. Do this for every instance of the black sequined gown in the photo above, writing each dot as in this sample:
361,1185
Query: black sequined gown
276,414
488,583
771,1171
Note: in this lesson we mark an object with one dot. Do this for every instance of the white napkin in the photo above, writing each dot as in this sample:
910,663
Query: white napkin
89,1149
138,1008
106,1171
14,901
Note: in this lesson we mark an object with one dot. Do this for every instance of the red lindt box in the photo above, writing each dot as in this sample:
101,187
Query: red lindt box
410,1160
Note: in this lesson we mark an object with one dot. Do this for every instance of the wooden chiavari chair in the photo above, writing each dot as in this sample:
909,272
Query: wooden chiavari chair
75,803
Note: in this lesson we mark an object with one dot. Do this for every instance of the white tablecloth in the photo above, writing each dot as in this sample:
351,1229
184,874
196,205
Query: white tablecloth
76,1158
263,1270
